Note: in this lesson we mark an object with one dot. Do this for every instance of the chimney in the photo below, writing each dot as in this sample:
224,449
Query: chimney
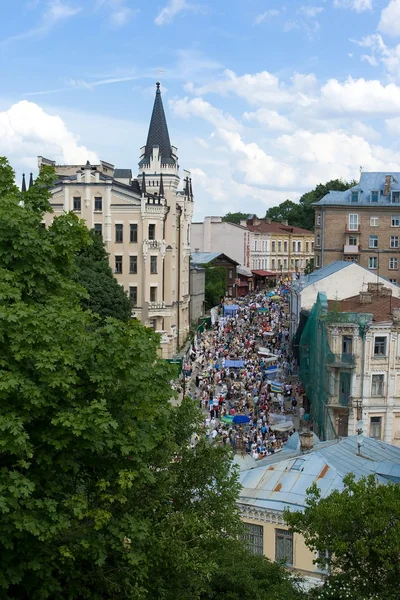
365,298
268,220
256,221
285,222
386,291
306,441
388,183
396,316
375,287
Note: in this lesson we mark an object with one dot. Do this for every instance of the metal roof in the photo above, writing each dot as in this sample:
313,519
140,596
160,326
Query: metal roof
122,173
201,258
369,182
276,485
158,133
320,274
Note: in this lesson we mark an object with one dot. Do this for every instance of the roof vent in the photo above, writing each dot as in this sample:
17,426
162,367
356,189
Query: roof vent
306,441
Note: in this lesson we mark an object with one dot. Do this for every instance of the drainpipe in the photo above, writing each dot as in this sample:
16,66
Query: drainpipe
363,328
323,237
163,271
179,221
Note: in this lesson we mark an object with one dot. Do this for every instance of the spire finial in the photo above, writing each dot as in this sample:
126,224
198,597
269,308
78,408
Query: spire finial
187,193
23,186
190,189
161,191
143,184
158,84
30,181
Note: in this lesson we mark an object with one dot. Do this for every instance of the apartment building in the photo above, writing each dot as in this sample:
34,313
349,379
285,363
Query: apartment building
276,247
361,225
216,235
145,224
350,364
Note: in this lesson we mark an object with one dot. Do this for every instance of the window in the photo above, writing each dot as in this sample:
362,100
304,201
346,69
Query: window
279,246
133,294
374,221
395,221
374,196
152,231
354,196
273,264
353,241
284,546
153,324
378,385
285,246
317,240
77,203
133,233
373,241
393,281
133,265
230,274
317,260
253,537
395,198
347,344
307,247
298,246
394,241
373,262
318,219
153,265
294,246
255,245
98,204
285,264
375,428
273,247
98,228
380,346
393,263
353,222
118,265
153,293
119,233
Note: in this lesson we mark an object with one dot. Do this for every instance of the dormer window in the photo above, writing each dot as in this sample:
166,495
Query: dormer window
395,197
374,196
354,196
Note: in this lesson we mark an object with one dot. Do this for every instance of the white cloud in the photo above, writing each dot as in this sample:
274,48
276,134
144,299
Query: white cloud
390,19
360,96
27,131
120,14
266,16
393,126
311,11
171,10
270,118
55,12
200,108
357,5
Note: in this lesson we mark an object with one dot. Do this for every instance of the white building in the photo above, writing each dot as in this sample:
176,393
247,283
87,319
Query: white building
215,235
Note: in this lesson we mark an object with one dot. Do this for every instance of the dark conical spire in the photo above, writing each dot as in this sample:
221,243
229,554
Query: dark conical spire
143,184
23,187
187,193
30,181
190,189
158,133
161,191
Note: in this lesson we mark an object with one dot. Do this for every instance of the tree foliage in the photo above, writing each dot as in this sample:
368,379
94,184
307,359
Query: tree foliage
356,533
301,214
215,287
101,496
235,217
105,296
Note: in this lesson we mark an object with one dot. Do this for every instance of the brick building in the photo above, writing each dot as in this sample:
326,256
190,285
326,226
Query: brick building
361,225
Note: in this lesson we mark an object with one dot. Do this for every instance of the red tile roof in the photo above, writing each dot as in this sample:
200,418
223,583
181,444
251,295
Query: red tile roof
274,227
264,273
380,307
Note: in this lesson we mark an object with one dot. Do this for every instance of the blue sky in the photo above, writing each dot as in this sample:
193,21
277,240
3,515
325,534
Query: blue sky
264,98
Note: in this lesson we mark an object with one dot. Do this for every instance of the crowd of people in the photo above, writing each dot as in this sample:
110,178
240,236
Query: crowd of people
243,375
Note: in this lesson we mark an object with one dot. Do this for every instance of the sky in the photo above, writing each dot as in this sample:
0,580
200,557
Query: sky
264,98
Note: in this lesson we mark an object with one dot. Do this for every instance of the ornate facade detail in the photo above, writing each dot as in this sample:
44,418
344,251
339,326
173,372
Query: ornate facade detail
261,514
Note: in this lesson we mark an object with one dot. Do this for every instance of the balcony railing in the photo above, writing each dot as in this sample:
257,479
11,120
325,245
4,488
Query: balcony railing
342,360
350,249
352,229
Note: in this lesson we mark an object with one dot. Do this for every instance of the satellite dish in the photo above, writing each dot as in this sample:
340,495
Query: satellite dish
360,425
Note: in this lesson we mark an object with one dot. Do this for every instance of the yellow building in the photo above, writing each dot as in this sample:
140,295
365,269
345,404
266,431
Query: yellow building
281,480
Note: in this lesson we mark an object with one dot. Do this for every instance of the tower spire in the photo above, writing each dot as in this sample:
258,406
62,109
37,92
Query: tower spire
161,191
30,181
187,193
190,189
23,187
143,184
158,133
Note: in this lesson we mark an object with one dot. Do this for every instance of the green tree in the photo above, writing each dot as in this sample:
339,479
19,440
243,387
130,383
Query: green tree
356,533
282,212
215,286
235,217
105,296
309,268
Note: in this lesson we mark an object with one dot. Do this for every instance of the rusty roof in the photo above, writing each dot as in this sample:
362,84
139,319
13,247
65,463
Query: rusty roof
380,306
275,227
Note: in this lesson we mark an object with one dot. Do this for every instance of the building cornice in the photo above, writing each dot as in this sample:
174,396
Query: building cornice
261,514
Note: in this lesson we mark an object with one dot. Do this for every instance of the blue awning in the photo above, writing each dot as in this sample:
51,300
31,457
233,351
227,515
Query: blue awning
230,309
234,364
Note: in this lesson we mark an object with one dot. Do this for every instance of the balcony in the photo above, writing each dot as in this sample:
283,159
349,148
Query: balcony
343,361
352,229
351,249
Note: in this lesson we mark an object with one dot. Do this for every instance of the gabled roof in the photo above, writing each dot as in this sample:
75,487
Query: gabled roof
320,274
263,226
202,258
369,182
158,133
283,479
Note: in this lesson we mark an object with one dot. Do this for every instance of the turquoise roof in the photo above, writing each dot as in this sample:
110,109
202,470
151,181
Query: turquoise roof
202,258
369,182
319,274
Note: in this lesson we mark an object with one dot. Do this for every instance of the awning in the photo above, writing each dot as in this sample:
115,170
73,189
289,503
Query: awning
234,364
264,273
230,309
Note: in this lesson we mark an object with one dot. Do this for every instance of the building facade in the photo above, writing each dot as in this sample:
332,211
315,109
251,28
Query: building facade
216,235
197,284
218,259
361,225
277,247
350,364
145,224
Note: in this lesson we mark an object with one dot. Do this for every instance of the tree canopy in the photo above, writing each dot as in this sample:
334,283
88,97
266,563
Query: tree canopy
105,296
356,534
102,496
301,214
215,286
235,217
